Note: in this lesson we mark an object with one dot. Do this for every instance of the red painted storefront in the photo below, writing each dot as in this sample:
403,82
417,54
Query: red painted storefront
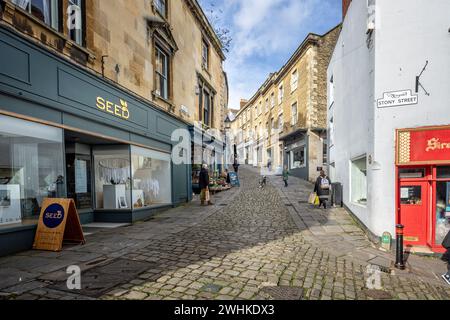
423,185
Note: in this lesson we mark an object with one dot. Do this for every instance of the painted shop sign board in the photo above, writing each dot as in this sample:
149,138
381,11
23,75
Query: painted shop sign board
234,179
397,99
423,146
58,223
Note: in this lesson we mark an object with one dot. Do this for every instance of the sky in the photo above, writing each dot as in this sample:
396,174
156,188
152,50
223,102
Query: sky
265,33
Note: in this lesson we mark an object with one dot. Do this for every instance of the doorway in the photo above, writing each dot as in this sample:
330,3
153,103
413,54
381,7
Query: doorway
413,211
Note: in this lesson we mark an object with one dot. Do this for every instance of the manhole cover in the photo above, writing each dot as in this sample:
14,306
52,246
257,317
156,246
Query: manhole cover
99,280
378,294
283,293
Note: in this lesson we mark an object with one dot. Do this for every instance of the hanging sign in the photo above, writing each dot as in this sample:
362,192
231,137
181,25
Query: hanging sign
397,99
58,223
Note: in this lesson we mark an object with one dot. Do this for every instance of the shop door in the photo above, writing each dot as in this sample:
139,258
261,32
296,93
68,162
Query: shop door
413,211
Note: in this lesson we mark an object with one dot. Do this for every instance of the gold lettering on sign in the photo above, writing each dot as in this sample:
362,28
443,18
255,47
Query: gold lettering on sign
436,144
120,111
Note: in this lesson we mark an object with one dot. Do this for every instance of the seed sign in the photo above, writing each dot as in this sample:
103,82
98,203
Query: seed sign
58,223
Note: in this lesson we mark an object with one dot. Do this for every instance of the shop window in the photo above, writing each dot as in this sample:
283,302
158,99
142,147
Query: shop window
151,178
31,168
297,158
359,181
412,173
45,10
443,172
411,195
112,167
75,15
442,210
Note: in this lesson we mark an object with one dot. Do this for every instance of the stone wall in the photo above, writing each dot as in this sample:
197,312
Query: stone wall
120,46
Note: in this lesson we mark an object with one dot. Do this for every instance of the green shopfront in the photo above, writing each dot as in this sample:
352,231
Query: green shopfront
68,133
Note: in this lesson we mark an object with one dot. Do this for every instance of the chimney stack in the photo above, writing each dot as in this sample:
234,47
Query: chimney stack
345,5
243,103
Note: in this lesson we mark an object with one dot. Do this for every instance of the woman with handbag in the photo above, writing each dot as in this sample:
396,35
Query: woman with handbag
204,185
322,189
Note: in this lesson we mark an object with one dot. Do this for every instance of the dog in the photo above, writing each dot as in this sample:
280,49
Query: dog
263,182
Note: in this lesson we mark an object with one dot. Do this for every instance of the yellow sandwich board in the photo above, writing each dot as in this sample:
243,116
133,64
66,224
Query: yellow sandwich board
58,223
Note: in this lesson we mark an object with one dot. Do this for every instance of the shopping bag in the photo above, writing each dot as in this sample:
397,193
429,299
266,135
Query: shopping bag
317,201
312,198
207,196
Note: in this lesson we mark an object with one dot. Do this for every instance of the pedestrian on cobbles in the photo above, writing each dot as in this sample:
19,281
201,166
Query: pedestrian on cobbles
204,185
322,188
285,176
236,166
446,257
269,164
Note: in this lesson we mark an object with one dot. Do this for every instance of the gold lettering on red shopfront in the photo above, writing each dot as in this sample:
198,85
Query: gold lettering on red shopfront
436,144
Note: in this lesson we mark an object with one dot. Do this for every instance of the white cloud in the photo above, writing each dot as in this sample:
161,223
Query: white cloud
265,33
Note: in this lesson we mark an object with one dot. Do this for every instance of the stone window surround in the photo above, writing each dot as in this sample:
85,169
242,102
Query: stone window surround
10,10
156,11
203,85
159,43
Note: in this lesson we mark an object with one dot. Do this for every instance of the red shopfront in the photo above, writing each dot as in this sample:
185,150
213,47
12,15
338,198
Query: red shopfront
423,185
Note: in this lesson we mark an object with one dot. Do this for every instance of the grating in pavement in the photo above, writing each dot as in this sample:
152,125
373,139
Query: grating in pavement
99,280
283,292
378,294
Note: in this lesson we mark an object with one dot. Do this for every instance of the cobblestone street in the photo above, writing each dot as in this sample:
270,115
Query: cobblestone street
252,244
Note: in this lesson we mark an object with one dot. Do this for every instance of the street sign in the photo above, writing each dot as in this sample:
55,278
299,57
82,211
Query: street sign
58,222
397,99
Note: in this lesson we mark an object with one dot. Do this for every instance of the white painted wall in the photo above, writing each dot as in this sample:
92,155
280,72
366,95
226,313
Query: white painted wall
352,69
407,33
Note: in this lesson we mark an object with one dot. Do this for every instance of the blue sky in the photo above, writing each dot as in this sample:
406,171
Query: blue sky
265,34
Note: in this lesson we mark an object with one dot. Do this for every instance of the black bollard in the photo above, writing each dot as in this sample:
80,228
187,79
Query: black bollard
399,263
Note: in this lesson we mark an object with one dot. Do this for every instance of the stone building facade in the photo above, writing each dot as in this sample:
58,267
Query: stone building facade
284,123
134,44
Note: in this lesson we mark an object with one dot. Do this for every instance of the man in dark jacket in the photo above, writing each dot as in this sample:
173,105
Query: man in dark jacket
322,188
204,185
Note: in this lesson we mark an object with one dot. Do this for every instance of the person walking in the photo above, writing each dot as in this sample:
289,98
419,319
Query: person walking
269,164
322,188
236,166
285,176
204,185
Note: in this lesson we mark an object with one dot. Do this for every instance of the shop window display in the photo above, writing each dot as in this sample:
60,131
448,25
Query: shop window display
112,168
359,181
31,168
442,210
151,178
